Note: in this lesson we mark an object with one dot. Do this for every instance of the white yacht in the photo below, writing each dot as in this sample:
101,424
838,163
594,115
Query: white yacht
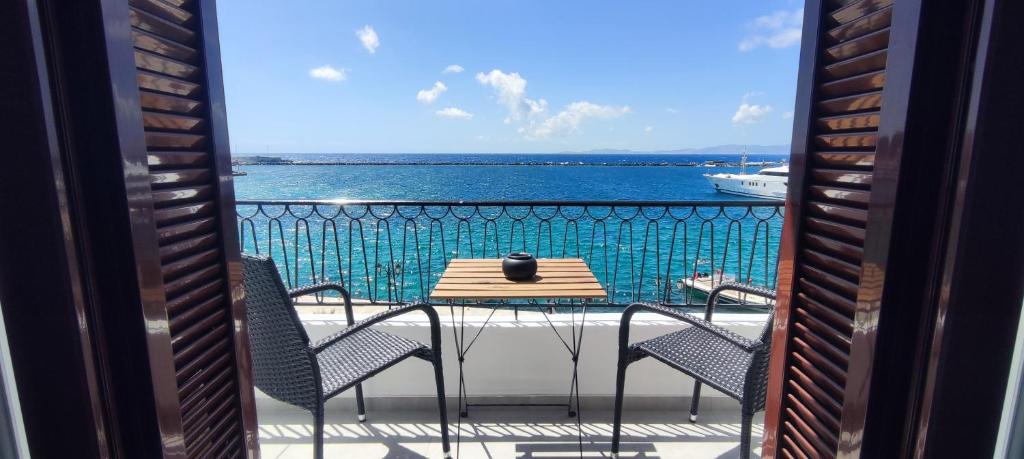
768,183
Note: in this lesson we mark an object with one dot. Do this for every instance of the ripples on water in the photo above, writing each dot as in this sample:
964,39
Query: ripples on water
407,181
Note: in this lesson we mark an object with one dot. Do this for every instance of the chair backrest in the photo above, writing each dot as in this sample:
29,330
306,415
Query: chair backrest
283,365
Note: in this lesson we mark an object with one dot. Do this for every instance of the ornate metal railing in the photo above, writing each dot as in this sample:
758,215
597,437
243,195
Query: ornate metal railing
395,251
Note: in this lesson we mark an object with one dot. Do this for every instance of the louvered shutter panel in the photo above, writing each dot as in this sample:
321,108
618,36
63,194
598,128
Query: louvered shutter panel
179,93
818,358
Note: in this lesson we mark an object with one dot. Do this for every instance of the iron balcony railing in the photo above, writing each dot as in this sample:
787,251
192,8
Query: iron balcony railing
395,251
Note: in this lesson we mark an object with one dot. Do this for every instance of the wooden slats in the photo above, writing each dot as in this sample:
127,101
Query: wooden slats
185,247
200,379
850,80
166,84
214,385
854,140
859,102
191,280
202,360
858,9
873,41
172,233
176,159
814,402
876,20
162,46
168,140
820,446
809,414
827,297
159,64
168,103
850,270
483,279
198,336
195,313
180,213
830,281
164,10
836,229
844,195
167,121
843,213
822,352
858,121
843,177
184,265
179,177
840,340
845,159
861,64
850,252
161,27
857,84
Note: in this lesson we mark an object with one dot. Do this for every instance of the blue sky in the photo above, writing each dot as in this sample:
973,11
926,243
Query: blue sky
536,76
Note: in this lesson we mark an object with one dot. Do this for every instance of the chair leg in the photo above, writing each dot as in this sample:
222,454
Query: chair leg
745,427
442,404
318,433
620,383
360,406
695,401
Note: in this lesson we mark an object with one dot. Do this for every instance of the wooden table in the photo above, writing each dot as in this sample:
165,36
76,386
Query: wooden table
481,279
476,280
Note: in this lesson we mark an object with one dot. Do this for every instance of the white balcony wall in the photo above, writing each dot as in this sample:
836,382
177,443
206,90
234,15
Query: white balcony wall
524,358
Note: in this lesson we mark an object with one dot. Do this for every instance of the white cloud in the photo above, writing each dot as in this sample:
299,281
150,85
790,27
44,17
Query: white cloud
511,90
750,113
787,115
430,95
369,38
454,68
648,129
672,110
454,113
780,29
569,120
328,73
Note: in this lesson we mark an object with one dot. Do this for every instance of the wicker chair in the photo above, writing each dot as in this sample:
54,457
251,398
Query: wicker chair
712,355
289,368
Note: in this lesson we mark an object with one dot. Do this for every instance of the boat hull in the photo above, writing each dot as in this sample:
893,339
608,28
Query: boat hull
757,186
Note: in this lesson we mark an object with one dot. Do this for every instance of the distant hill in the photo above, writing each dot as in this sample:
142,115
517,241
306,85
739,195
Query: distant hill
733,148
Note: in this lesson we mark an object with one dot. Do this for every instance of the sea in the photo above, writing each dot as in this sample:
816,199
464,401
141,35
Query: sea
491,177
399,259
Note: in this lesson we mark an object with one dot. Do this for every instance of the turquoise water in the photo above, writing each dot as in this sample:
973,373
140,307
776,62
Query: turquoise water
386,253
408,179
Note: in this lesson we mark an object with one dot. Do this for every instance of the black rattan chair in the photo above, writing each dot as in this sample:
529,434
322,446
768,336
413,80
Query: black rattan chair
289,368
712,355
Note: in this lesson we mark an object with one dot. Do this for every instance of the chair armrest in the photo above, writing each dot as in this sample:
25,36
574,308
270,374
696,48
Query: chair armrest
435,326
727,335
713,296
324,286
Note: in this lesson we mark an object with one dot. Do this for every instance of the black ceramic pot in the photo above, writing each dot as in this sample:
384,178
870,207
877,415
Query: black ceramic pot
519,266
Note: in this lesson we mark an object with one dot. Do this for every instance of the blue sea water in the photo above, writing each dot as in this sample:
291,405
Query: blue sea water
382,254
573,177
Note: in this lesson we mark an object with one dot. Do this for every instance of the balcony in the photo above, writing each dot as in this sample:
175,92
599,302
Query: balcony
387,253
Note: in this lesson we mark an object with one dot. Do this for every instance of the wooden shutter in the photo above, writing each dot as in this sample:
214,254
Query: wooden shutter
851,109
182,102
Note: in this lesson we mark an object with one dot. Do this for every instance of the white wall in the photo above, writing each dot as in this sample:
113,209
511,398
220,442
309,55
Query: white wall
524,358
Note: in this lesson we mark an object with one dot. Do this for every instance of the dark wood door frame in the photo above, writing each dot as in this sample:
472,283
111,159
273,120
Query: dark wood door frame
944,198
981,284
43,291
80,276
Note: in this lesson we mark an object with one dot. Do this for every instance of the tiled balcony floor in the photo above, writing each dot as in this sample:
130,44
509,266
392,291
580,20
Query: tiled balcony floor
286,432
